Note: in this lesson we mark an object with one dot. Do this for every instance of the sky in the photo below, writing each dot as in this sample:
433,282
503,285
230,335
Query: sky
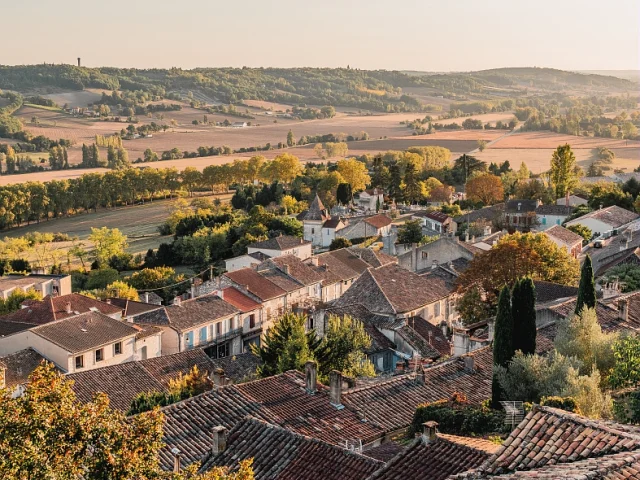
425,35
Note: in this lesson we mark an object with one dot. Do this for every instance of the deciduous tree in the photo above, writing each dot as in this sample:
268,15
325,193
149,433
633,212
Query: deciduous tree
486,188
564,170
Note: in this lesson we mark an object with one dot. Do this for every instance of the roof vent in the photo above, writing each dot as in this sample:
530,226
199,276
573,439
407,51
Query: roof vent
84,330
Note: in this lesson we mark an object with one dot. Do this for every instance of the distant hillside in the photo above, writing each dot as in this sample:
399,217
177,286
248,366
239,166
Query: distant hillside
377,90
633,75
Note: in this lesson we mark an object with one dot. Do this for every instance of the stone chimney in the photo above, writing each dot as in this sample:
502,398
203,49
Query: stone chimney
193,291
314,261
218,377
146,297
219,439
287,270
335,392
67,307
177,301
176,459
469,364
420,375
429,432
623,309
311,377
108,301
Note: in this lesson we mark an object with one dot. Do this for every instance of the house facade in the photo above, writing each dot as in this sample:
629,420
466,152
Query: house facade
313,220
567,239
46,285
371,200
605,219
436,221
520,215
282,245
548,216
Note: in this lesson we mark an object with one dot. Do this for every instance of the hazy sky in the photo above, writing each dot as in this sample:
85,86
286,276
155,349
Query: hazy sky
430,35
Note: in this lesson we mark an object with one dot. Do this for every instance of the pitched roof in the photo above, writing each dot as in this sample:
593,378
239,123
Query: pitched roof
436,460
132,308
255,284
608,313
548,437
549,291
296,269
85,331
50,309
239,300
553,209
564,235
123,382
392,403
521,206
280,400
283,242
316,211
385,451
19,365
378,221
437,216
282,454
613,216
333,222
189,314
432,335
275,276
372,257
488,213
391,289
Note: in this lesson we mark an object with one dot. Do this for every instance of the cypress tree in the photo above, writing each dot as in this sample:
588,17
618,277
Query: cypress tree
587,289
523,308
502,341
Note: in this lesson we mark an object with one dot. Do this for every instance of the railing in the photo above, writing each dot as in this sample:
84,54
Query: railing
218,339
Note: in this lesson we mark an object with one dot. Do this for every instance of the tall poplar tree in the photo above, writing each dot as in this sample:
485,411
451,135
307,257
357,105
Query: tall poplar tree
587,288
523,308
502,342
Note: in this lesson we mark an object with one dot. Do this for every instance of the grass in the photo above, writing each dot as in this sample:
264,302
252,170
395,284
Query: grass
43,107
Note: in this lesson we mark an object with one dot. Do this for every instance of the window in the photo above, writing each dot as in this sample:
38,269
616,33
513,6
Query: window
558,221
218,328
544,220
436,309
310,323
252,321
143,353
313,231
188,339
117,348
203,334
425,255
80,361
99,355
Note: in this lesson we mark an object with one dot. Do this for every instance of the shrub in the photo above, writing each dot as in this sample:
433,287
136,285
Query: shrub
456,416
99,279
563,403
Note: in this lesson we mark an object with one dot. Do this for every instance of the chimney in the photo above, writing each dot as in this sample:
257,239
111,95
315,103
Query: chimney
420,376
400,366
177,301
286,269
193,291
219,439
220,293
519,206
491,332
434,264
429,432
314,261
310,375
623,309
469,364
335,386
566,202
146,297
218,377
67,307
108,301
176,459
79,62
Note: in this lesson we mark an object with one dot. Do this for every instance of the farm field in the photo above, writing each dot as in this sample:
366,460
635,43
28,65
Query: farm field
458,141
139,222
536,148
188,137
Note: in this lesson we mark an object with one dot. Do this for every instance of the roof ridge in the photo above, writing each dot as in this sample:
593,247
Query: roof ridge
306,438
393,309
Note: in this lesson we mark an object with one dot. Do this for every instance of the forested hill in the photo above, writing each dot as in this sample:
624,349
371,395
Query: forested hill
377,90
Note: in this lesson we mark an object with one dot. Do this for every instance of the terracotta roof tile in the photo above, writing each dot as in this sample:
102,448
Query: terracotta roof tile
613,216
549,291
447,455
131,307
255,284
283,242
378,221
391,404
50,309
563,234
286,455
85,331
19,365
280,400
239,300
296,269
